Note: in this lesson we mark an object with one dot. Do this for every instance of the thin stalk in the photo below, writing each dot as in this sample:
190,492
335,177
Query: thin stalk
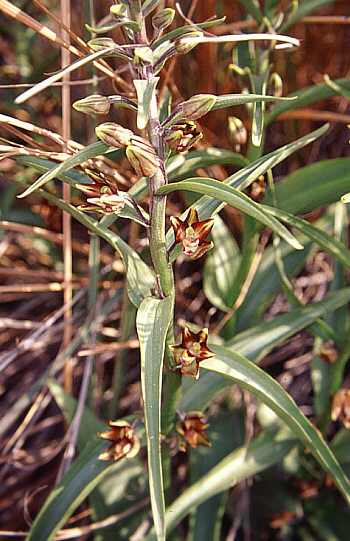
67,220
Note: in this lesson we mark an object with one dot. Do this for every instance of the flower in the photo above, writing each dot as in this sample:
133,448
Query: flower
192,350
256,190
191,427
341,407
125,443
106,199
182,136
192,233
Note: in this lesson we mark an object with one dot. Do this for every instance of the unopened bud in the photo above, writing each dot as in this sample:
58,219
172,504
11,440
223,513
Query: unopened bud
276,85
142,156
163,19
93,105
118,11
113,134
237,131
143,55
185,44
198,105
98,44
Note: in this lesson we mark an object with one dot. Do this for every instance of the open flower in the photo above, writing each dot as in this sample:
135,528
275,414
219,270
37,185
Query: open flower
192,350
182,136
341,407
125,443
192,233
105,199
191,427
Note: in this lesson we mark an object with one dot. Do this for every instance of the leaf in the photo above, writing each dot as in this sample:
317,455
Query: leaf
140,278
207,206
253,8
263,452
221,265
231,100
313,186
87,153
233,197
306,96
152,322
256,342
252,378
304,8
336,248
82,477
144,90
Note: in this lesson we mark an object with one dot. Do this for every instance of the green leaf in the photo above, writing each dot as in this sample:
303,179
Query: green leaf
263,452
180,166
256,342
207,206
152,322
91,151
221,265
140,278
148,6
111,26
333,246
304,8
306,96
313,186
144,90
233,197
253,8
231,100
82,477
255,380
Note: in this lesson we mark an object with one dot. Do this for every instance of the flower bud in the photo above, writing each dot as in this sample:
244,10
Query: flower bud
142,156
143,55
118,11
182,136
276,85
93,105
113,134
163,19
97,44
237,131
185,44
198,105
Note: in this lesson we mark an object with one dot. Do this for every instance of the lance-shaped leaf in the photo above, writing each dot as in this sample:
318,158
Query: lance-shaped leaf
263,452
233,197
82,477
87,153
140,278
333,246
152,322
207,206
252,378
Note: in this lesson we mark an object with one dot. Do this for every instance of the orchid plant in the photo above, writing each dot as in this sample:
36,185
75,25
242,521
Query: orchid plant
175,388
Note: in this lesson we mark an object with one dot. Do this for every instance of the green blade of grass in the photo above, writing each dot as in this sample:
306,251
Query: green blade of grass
152,322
